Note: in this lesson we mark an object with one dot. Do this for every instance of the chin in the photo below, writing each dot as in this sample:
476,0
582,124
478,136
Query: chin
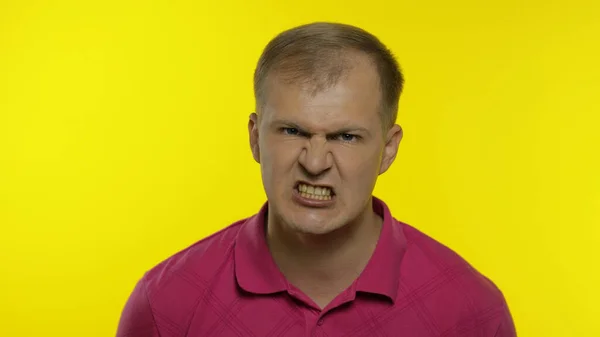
314,226
312,231
310,221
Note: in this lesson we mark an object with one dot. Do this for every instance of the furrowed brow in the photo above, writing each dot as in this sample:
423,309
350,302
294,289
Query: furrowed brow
343,130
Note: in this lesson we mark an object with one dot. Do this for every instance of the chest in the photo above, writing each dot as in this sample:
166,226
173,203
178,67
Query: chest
283,316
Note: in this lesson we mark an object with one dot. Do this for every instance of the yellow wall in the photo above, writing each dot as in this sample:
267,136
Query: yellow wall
123,140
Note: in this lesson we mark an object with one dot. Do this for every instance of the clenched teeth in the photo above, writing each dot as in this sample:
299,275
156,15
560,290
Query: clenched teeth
312,192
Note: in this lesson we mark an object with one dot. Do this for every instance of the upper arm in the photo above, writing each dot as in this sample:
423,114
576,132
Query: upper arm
137,319
506,327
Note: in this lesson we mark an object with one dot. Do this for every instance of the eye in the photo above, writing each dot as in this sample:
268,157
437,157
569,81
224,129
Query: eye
346,137
290,131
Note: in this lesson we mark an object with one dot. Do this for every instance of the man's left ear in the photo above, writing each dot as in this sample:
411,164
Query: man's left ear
393,138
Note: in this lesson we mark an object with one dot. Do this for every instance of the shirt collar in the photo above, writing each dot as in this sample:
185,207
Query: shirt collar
256,271
382,273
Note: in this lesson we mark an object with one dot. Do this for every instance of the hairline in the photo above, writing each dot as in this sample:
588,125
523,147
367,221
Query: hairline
384,111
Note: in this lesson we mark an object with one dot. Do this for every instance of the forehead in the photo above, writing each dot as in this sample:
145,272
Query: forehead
354,99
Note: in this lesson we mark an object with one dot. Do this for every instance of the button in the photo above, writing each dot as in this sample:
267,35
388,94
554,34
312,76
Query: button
320,322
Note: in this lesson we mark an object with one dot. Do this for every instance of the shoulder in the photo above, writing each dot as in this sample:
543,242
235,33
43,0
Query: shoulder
431,260
458,296
163,298
201,260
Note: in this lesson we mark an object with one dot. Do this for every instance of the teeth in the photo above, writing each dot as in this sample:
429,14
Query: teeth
315,197
312,192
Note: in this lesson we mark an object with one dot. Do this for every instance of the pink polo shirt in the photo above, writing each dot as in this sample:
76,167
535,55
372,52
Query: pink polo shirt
228,285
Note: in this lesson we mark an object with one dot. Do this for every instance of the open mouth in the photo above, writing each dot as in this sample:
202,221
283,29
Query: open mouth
315,192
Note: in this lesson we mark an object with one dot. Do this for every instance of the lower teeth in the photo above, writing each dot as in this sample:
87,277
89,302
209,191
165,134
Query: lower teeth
316,197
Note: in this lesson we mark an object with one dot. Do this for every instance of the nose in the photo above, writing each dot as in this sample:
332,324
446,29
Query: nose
315,157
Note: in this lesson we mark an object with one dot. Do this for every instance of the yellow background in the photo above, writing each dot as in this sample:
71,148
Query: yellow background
123,140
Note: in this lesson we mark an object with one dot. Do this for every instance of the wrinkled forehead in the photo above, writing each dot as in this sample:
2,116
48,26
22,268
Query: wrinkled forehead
354,98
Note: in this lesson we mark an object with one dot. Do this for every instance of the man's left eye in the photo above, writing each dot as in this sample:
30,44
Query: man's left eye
347,137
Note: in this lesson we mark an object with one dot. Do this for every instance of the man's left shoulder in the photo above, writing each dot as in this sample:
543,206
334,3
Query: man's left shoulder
456,295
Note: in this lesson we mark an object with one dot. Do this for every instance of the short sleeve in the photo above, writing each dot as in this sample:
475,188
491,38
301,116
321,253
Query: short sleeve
506,328
137,319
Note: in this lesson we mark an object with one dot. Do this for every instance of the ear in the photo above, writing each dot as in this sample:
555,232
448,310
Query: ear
393,138
253,133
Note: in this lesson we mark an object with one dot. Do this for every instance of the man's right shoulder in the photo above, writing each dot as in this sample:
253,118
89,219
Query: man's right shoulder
164,297
199,262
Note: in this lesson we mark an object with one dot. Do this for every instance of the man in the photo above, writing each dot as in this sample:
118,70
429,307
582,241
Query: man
323,257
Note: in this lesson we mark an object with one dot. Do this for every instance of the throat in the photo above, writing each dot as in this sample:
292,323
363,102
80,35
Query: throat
323,280
323,267
323,285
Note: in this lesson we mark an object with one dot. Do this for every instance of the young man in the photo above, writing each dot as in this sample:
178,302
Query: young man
323,257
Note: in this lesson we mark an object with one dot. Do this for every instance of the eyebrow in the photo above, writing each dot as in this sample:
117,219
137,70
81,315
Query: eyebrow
345,129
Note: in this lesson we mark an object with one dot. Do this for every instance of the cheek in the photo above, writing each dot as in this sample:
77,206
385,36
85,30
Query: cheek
279,159
359,169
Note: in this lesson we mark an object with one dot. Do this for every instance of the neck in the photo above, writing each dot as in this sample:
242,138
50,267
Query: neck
322,266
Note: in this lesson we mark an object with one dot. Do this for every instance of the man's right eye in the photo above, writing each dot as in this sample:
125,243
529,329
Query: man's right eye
290,131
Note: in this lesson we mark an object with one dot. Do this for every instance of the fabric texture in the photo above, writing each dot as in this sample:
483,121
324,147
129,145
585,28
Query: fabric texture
229,285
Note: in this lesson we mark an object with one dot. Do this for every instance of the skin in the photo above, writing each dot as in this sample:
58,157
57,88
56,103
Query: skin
335,138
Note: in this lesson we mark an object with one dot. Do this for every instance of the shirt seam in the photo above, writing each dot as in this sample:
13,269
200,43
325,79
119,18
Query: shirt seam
502,319
498,329
150,306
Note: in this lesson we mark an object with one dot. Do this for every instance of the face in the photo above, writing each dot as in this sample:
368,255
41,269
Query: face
320,155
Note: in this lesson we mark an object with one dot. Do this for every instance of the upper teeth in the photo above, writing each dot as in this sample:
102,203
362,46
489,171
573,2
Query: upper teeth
314,190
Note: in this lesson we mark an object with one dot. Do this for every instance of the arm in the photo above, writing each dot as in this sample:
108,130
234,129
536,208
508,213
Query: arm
137,319
506,328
